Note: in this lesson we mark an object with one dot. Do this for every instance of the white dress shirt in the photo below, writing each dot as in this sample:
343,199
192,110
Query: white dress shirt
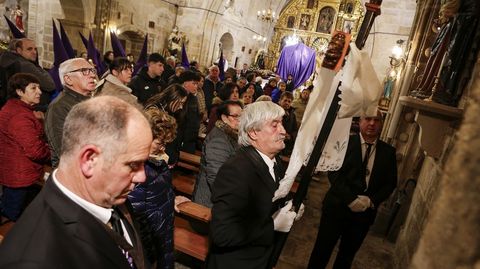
101,213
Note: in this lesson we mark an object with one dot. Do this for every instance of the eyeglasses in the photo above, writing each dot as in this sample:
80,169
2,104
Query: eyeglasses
85,71
236,116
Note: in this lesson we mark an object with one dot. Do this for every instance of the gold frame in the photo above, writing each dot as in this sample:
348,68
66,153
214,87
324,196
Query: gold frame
298,8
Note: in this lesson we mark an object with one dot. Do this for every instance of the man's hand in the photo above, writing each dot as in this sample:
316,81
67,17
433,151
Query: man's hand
178,200
300,212
360,204
283,218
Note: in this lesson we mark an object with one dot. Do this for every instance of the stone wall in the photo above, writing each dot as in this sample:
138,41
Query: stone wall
451,238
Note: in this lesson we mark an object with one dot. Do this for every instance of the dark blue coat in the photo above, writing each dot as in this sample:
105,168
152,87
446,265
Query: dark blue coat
153,203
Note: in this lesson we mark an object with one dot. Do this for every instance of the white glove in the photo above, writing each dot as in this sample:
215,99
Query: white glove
283,189
300,212
366,200
360,204
283,218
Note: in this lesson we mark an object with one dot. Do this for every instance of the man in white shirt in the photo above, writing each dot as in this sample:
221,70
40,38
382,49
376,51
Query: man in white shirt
244,218
71,223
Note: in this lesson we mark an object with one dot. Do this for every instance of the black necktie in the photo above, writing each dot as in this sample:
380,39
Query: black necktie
365,160
277,172
127,249
116,222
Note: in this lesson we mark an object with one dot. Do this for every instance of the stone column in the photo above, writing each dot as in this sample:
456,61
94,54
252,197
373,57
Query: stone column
451,237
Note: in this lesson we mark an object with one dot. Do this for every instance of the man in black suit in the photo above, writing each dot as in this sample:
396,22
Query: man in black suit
79,219
244,218
367,178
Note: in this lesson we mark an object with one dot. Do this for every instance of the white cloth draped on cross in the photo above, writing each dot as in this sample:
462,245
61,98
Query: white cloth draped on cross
360,93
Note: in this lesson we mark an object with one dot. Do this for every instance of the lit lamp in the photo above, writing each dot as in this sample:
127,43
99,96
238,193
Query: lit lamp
266,15
396,60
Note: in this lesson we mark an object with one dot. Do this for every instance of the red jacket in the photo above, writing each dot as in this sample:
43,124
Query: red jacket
23,150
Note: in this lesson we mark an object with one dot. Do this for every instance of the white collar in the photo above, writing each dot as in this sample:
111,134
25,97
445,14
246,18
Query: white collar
270,162
362,141
101,213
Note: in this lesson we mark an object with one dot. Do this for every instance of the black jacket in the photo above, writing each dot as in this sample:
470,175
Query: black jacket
144,87
348,182
55,232
241,229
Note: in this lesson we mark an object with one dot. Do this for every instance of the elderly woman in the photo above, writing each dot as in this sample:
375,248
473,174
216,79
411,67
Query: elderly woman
154,200
24,149
220,144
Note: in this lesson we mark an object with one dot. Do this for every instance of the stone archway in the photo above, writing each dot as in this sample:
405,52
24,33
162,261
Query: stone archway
76,19
227,45
132,41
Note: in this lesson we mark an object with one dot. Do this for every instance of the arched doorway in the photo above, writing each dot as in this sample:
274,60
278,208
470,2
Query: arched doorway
227,45
132,42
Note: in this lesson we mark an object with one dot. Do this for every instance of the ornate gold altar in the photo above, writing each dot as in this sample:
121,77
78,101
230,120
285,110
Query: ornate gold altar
313,22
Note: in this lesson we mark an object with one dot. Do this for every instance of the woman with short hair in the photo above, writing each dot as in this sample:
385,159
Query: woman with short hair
24,148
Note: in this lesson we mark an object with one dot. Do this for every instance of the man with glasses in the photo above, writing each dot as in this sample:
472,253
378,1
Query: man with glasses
78,79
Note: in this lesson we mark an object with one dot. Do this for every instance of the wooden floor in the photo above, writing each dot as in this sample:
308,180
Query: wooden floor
375,252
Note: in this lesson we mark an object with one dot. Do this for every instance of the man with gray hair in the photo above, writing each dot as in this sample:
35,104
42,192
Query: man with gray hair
211,85
244,218
79,219
78,79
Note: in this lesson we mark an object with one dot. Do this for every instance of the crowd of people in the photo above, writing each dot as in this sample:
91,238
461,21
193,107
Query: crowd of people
113,139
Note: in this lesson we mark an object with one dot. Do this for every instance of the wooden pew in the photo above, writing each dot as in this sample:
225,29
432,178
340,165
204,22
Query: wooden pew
185,238
189,161
5,228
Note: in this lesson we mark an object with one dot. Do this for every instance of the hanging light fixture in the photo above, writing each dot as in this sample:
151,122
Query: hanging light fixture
267,15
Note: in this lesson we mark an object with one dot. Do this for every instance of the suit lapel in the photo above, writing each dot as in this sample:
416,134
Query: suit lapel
261,168
83,226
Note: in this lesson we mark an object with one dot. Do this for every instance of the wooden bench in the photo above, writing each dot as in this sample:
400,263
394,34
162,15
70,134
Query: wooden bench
185,238
189,161
5,228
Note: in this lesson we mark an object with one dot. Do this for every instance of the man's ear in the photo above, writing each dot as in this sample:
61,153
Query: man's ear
67,80
252,134
115,72
89,158
224,118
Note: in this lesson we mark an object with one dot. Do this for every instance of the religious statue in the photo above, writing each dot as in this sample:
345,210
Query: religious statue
17,16
175,41
460,55
334,51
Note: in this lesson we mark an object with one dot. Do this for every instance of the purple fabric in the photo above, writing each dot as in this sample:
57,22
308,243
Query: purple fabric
60,55
118,50
13,28
84,40
221,66
185,62
298,60
142,58
92,53
66,43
